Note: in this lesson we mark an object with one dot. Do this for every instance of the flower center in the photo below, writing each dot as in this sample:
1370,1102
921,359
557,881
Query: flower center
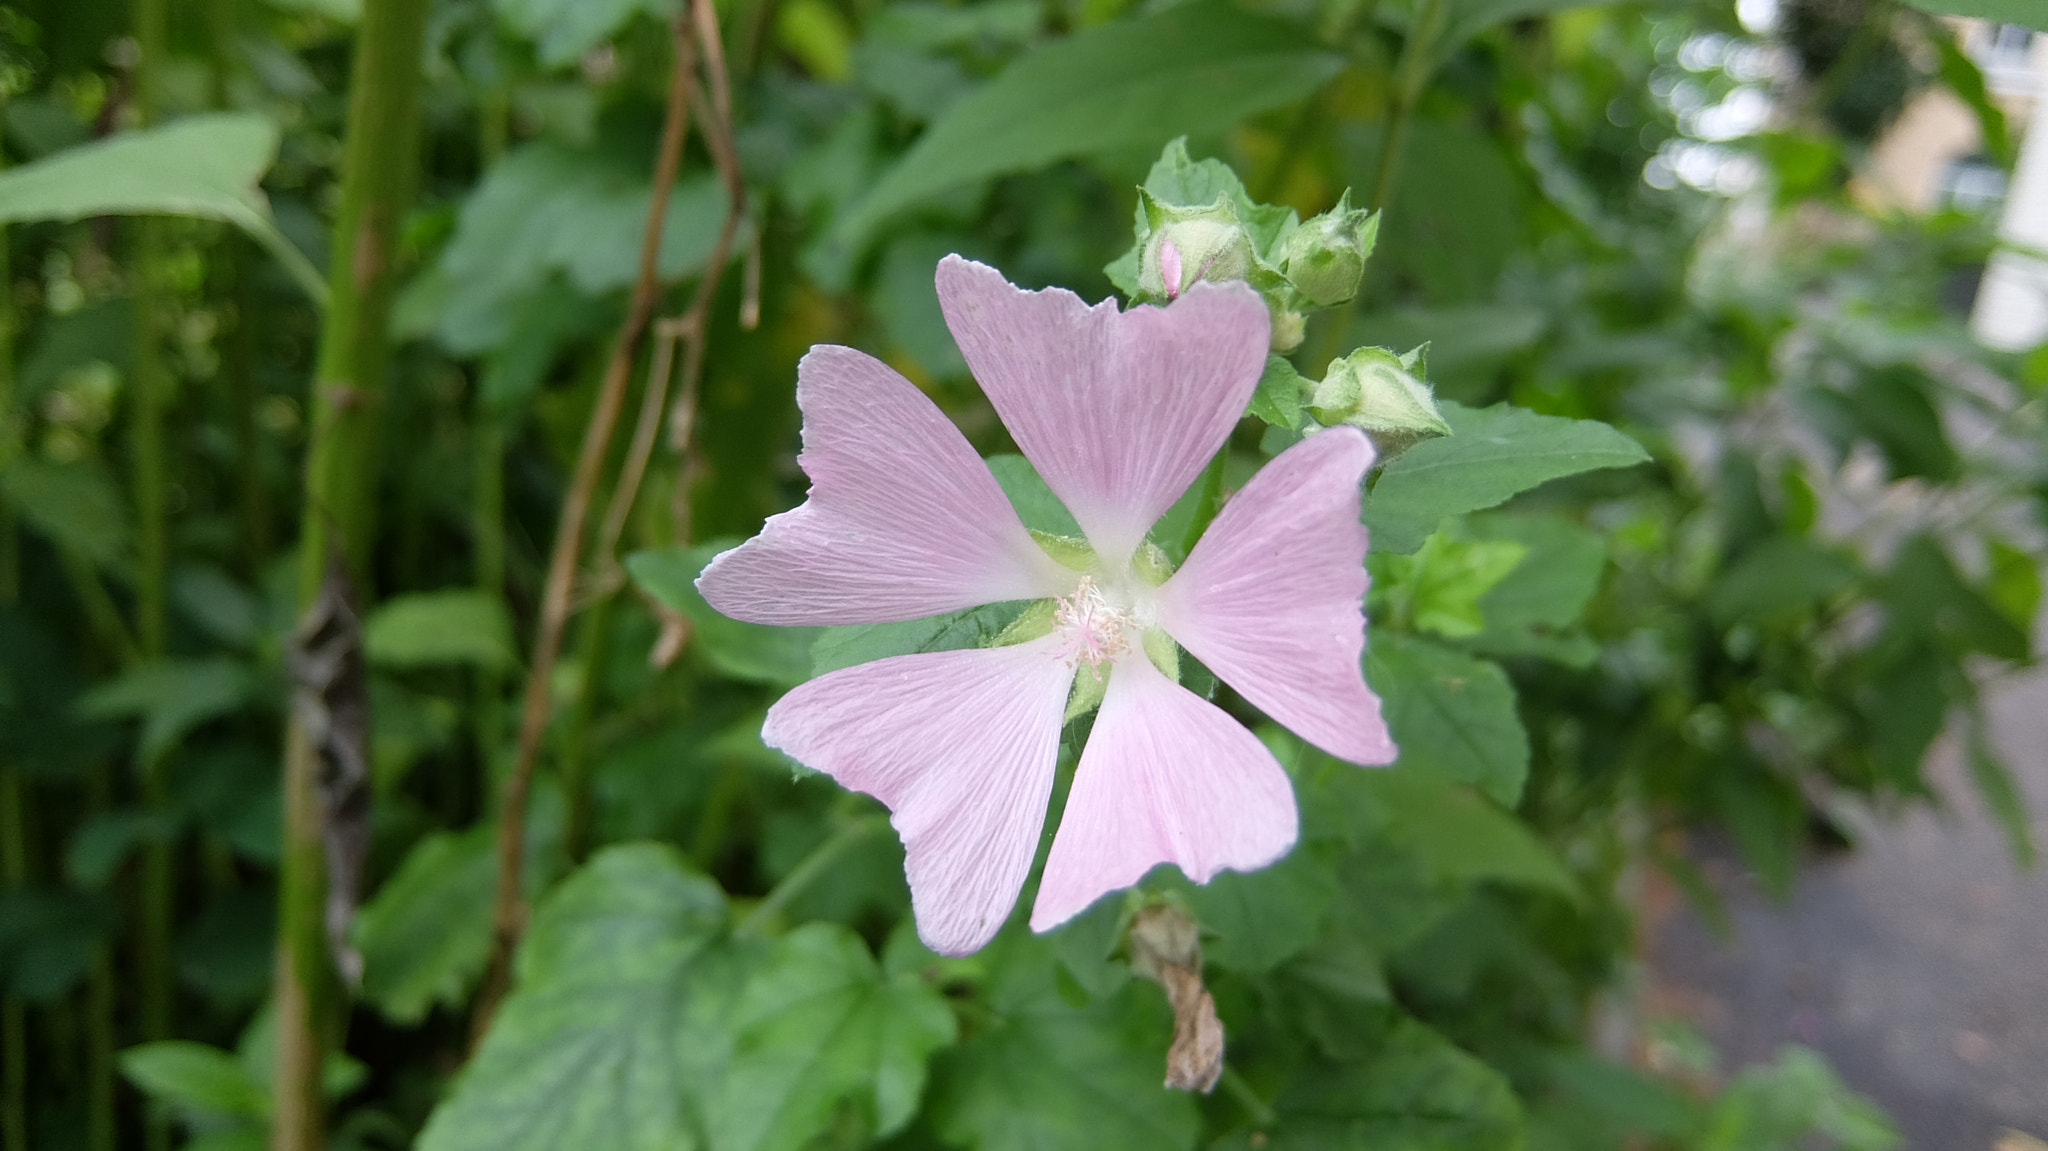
1094,629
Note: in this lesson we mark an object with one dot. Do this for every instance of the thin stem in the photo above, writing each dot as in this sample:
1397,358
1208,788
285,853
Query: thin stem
1209,503
101,615
99,1007
380,163
1411,76
487,488
804,874
508,911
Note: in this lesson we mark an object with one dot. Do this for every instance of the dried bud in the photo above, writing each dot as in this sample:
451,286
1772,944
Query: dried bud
1190,244
1324,258
1166,948
1376,390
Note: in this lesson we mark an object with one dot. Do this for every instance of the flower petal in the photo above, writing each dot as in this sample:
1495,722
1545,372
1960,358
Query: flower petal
1166,777
1118,411
903,519
961,746
1270,599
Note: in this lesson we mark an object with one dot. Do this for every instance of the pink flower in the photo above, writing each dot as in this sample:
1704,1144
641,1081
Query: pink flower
1119,412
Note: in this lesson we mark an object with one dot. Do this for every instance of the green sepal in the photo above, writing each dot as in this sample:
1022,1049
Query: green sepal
1378,391
1067,551
1163,652
1036,621
1151,565
1090,682
1324,259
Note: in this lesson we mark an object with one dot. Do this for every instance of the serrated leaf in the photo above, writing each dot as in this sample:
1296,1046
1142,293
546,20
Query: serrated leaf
1044,1073
563,30
1536,609
76,505
616,1024
1190,68
426,935
1461,836
459,626
1451,715
753,652
204,165
1417,1092
196,1079
1280,394
171,698
823,1039
1492,454
1261,919
838,647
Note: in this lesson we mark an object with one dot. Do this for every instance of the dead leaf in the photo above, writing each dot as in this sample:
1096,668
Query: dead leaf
1166,947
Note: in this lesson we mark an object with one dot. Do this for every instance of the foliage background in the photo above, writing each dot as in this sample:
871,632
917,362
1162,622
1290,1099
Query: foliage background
1832,540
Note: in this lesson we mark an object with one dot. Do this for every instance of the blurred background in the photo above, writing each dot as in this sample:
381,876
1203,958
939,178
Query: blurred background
357,449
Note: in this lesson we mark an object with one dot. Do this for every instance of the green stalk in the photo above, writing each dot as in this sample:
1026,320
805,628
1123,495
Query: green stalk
1209,503
100,998
813,867
1411,76
151,388
487,487
380,164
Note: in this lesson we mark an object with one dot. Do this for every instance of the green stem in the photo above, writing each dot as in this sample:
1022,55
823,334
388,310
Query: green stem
487,485
1411,76
380,164
808,872
151,387
596,645
100,999
1210,501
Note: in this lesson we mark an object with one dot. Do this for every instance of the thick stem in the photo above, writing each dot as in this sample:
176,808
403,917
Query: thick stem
508,911
380,164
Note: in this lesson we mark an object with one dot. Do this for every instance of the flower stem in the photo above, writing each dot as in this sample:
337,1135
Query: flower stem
800,878
13,1011
1209,503
380,163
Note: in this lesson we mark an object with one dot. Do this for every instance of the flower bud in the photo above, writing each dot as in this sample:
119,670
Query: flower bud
1189,244
1373,389
1288,328
1325,257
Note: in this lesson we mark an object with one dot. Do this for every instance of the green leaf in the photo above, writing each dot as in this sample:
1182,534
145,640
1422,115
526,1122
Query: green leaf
1192,68
1280,394
824,1040
432,628
1535,610
563,30
1263,918
196,1079
1417,1092
616,1023
1440,586
1462,836
1036,505
2029,13
76,505
171,698
753,652
839,647
1492,454
2000,790
426,935
550,210
1467,18
1451,715
205,165
1044,1073
101,845
48,940
1778,578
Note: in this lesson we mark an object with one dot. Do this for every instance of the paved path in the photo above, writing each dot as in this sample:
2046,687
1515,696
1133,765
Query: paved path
1918,963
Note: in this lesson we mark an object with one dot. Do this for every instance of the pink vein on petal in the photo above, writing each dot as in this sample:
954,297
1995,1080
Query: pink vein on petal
1118,411
903,519
1270,599
961,746
1166,777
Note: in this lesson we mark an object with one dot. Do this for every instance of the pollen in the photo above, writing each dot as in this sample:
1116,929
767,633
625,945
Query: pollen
1095,630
